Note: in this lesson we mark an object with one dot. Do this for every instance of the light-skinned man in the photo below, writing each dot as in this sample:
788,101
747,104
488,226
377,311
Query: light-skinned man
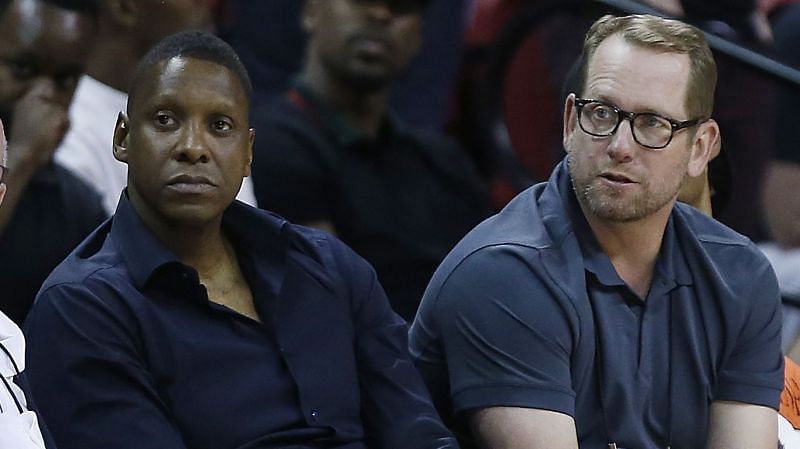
594,311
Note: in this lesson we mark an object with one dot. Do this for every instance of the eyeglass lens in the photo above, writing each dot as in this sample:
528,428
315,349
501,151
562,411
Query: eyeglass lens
650,130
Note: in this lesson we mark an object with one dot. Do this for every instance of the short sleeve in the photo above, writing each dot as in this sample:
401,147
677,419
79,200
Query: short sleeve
753,372
507,335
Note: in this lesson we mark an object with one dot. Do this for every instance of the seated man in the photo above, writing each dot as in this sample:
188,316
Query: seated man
19,428
47,211
594,311
191,320
334,157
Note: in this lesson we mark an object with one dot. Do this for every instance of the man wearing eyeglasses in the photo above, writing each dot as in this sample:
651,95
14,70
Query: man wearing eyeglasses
594,311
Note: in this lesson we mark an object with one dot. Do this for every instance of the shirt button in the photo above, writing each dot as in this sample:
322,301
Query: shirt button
314,415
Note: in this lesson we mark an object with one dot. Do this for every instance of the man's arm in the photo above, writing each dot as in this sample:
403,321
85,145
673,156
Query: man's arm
523,428
396,408
508,342
736,425
88,374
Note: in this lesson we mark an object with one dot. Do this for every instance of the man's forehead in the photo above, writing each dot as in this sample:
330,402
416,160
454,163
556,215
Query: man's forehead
621,68
180,77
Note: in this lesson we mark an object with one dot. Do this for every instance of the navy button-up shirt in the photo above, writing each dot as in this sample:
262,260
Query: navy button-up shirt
126,350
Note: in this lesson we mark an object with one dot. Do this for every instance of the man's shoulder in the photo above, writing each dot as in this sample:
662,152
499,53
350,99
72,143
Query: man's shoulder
305,244
721,243
93,260
723,255
515,237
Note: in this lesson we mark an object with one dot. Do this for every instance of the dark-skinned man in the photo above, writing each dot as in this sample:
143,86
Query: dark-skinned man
126,30
333,156
191,320
47,210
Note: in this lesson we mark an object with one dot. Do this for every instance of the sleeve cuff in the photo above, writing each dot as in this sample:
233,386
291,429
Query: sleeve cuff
515,396
749,394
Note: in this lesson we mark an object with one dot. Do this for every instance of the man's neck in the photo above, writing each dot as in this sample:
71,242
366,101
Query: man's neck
632,247
363,111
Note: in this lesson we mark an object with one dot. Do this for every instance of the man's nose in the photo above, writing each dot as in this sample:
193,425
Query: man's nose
622,145
193,147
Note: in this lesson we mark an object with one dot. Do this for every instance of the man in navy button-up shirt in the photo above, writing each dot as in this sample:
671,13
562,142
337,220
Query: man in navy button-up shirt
189,320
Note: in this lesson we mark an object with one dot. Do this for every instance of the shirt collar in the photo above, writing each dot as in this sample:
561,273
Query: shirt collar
333,121
254,231
140,249
670,269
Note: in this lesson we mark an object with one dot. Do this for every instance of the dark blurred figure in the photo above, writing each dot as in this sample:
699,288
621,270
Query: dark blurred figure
47,211
332,155
268,36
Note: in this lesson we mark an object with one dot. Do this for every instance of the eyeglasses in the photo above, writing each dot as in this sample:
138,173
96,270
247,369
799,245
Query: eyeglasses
601,119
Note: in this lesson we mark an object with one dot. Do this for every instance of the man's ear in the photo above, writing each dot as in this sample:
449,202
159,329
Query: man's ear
123,12
252,139
309,17
705,144
570,119
121,133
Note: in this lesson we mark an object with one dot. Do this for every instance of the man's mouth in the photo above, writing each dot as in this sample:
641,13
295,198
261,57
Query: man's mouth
186,183
617,178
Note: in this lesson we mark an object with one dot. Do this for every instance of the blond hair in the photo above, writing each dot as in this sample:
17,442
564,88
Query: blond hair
666,35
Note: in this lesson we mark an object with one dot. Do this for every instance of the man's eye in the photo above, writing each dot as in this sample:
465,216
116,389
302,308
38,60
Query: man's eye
652,121
602,112
164,119
222,125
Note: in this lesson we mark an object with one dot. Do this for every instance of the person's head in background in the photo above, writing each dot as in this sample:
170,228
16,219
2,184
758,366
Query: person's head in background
361,45
129,28
43,53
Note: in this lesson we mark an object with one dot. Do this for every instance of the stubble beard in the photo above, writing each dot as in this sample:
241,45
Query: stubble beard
610,204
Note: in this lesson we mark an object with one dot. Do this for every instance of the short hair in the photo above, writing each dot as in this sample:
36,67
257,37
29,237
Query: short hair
666,35
191,44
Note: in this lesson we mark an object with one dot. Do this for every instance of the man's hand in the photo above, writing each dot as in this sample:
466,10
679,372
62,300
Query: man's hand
39,126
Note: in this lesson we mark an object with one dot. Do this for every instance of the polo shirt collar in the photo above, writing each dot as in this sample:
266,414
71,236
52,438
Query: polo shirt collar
670,270
334,122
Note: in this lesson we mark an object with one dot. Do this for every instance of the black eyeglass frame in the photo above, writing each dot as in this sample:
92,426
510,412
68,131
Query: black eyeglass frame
631,116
